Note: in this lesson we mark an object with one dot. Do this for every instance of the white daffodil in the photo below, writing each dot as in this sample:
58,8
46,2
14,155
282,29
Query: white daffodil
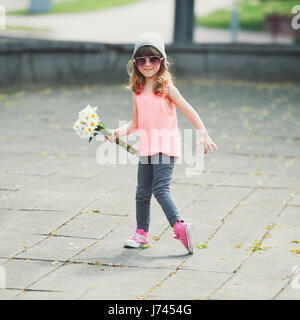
87,122
88,125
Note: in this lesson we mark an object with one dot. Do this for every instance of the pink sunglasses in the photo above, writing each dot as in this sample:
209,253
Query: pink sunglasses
141,61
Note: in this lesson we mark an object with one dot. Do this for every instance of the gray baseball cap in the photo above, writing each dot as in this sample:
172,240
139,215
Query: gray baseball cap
150,39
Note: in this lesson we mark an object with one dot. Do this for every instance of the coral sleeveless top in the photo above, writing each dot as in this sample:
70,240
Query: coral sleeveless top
157,124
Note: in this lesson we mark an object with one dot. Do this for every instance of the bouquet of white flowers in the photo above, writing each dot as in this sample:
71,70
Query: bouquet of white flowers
88,125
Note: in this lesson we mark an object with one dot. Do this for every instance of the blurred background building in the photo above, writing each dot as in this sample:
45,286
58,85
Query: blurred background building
121,21
64,41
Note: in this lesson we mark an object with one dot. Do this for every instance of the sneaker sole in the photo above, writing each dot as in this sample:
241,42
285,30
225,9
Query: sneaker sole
133,244
189,237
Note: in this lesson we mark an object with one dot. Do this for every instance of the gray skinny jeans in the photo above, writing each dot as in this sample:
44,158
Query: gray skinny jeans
154,176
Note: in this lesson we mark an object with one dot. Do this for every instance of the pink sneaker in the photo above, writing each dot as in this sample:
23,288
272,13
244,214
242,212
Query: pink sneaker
183,233
139,238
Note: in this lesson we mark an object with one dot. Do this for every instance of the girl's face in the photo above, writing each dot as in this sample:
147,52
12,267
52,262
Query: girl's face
149,70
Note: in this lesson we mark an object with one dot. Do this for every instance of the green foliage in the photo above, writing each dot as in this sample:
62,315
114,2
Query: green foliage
251,14
79,6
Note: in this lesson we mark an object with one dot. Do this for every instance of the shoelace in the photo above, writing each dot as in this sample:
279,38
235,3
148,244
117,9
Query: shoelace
181,239
139,237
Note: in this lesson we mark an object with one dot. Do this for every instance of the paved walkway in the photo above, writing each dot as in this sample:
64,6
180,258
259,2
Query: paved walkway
119,25
64,217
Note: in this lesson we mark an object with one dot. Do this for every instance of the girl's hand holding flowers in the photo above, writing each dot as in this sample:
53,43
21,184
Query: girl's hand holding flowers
113,136
88,126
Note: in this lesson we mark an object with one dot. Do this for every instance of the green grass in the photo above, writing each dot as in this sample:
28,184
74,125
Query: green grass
251,14
24,28
79,6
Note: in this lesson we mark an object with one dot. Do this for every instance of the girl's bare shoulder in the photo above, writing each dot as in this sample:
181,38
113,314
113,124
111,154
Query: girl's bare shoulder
170,89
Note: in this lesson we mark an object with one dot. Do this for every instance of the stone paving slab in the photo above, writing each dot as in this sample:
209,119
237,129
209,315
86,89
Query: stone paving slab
24,199
66,201
284,182
211,211
33,221
248,191
21,273
14,182
100,282
245,224
204,178
295,201
15,243
279,239
291,167
91,225
27,165
54,182
8,294
201,284
264,275
290,216
56,248
217,257
106,204
110,249
253,211
289,293
192,192
249,180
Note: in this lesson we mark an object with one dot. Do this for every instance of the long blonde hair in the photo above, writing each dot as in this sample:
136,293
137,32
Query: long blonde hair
137,80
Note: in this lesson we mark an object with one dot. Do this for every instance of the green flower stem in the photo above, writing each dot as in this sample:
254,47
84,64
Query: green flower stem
101,127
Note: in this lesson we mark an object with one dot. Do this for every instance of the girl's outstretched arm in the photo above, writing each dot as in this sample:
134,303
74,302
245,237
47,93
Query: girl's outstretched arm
173,93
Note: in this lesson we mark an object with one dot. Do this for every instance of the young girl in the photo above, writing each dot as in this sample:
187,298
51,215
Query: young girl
154,115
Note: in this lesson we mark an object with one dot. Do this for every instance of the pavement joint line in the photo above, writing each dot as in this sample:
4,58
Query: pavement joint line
285,137
34,290
283,288
109,214
14,173
85,292
31,259
203,270
290,276
219,184
23,186
262,155
65,236
250,254
111,265
15,218
229,213
33,209
81,211
19,173
145,296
